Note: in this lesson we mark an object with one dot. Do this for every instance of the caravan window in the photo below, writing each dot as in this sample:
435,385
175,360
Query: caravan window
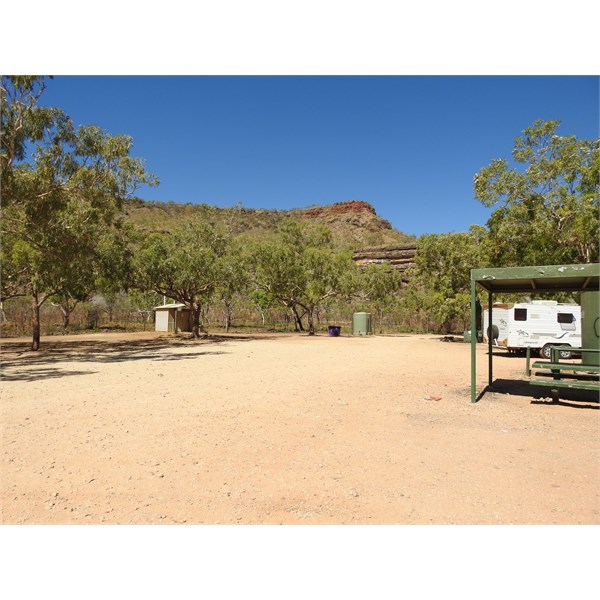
520,314
566,321
565,318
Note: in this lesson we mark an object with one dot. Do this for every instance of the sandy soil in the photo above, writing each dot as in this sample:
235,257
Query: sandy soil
265,429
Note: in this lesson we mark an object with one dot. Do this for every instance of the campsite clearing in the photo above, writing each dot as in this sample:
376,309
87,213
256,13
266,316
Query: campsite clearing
280,428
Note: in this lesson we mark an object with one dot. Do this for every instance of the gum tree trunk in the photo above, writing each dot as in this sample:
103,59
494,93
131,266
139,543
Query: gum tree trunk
196,320
297,320
311,322
35,322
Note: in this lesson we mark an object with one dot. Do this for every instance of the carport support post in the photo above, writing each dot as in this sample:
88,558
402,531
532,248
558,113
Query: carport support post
473,339
490,339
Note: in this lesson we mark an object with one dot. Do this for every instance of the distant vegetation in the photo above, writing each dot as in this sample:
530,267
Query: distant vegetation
80,251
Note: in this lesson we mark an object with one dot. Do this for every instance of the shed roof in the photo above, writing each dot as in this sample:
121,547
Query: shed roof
167,306
552,278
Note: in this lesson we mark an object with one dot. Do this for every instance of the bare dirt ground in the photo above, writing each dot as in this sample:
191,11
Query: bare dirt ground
266,429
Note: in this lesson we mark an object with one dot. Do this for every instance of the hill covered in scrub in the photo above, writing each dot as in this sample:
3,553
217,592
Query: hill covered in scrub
354,224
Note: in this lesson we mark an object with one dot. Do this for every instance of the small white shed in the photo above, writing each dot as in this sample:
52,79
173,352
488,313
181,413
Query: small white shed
176,318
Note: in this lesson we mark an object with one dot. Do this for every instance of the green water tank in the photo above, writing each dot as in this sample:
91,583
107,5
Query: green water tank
590,326
361,323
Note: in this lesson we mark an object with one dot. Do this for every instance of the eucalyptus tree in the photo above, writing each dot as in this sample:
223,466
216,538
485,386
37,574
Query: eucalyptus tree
380,285
548,201
441,275
62,193
276,275
187,265
72,294
234,281
104,270
301,270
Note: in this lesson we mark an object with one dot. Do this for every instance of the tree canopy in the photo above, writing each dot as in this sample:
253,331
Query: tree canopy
548,211
440,281
62,192
301,270
186,265
380,285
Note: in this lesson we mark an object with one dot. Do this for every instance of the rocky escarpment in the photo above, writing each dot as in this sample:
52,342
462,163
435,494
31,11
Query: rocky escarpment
341,208
357,222
401,257
363,216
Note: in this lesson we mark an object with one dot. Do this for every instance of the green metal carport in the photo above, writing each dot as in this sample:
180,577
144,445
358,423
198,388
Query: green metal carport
555,278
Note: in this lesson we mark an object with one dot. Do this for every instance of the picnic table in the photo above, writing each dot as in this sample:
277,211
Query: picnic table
561,374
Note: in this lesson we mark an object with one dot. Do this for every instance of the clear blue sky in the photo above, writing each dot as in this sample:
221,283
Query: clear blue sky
408,145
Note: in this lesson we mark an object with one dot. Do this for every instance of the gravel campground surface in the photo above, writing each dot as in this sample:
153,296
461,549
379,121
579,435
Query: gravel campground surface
287,429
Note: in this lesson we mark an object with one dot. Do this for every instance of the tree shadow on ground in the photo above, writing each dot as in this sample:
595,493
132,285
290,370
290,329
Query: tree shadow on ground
19,363
540,394
43,373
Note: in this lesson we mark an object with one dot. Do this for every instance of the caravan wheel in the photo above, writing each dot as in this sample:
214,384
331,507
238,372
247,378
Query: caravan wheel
565,353
546,353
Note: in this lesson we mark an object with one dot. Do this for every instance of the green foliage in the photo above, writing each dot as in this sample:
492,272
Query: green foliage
187,265
61,202
234,282
301,270
549,201
380,285
440,283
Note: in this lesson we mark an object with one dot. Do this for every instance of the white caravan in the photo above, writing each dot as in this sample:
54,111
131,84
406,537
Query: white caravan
539,325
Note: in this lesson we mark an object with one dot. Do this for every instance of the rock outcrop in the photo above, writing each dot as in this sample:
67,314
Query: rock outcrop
400,257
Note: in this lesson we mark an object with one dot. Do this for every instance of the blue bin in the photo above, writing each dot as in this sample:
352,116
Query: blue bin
334,330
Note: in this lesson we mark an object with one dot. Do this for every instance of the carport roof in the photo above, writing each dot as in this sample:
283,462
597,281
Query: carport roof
553,278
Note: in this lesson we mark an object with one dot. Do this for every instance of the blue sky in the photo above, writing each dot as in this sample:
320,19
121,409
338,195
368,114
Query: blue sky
408,145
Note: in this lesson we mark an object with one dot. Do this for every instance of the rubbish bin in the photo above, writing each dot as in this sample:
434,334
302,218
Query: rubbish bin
467,336
334,330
